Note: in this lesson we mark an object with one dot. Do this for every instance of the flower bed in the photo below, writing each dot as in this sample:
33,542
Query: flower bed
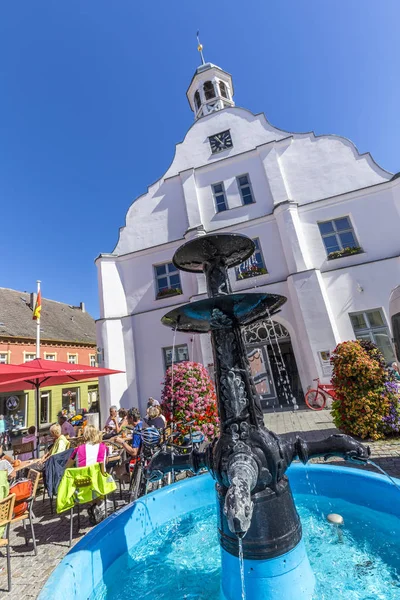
252,272
367,402
189,395
345,252
168,292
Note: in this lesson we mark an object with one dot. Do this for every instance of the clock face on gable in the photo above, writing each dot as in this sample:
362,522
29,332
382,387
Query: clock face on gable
220,141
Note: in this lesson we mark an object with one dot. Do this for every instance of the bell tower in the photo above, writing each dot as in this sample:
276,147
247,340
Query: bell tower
211,88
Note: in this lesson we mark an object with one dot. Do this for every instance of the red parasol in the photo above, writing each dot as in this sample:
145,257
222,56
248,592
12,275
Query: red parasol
48,373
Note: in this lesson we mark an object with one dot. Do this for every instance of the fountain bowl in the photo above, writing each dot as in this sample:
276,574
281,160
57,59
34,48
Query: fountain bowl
84,567
244,309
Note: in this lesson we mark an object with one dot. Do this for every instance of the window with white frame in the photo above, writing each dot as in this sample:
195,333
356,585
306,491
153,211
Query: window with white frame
44,408
175,355
254,265
168,280
49,356
92,360
244,186
338,235
3,358
29,356
73,359
219,197
371,325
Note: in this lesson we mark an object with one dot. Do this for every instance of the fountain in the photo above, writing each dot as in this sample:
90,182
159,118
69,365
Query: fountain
257,514
263,555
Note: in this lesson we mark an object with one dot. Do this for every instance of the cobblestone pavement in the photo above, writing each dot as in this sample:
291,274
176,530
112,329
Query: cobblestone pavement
30,572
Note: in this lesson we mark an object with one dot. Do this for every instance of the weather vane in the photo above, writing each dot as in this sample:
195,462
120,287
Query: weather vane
200,49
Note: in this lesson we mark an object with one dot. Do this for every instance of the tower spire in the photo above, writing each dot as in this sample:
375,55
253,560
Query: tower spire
200,49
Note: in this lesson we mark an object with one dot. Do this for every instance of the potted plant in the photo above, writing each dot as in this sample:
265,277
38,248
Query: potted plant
168,292
348,251
252,271
189,395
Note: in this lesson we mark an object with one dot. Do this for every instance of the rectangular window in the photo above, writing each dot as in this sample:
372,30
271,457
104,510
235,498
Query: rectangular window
44,408
371,325
13,407
168,280
245,189
337,235
219,197
73,359
3,358
254,265
29,356
93,398
92,360
181,353
70,400
49,356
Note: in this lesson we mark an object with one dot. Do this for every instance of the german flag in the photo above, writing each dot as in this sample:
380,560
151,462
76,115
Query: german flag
38,307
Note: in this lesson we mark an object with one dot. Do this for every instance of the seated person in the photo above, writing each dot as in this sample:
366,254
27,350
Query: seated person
5,465
92,451
152,402
123,417
112,424
60,444
154,418
136,424
161,415
66,427
30,437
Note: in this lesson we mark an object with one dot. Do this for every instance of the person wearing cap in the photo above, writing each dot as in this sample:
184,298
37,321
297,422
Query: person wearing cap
152,402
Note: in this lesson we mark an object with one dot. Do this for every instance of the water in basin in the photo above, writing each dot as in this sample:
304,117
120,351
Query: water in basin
181,560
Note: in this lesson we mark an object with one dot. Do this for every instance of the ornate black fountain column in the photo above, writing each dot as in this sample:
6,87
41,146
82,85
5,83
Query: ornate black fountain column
247,460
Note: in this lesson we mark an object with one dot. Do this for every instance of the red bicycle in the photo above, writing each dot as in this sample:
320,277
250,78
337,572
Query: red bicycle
316,398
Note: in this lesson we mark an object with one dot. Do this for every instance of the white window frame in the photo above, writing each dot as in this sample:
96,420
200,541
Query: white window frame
71,355
337,233
7,355
372,330
215,194
242,266
47,354
26,354
48,401
176,352
240,186
167,275
92,358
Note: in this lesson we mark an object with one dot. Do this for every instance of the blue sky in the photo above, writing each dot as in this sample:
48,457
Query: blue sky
93,100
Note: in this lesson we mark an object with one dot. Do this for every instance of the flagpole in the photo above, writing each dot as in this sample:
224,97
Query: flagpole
38,326
37,390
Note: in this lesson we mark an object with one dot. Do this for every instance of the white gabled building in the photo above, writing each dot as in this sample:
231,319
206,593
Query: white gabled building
301,197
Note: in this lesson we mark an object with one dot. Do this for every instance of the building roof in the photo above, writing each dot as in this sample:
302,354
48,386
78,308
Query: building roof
59,321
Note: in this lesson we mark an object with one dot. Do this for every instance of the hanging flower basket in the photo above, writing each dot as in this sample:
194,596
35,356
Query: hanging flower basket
168,292
252,272
345,252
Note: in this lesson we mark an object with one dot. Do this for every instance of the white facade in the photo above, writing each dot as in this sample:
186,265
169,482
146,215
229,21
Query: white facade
297,181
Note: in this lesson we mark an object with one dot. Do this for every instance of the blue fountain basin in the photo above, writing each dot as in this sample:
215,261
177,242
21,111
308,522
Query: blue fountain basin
84,567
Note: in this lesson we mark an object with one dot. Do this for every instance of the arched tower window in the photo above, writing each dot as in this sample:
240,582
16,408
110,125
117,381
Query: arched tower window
209,91
197,100
223,90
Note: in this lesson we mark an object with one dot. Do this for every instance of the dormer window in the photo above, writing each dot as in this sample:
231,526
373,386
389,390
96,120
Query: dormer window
197,100
223,90
209,91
